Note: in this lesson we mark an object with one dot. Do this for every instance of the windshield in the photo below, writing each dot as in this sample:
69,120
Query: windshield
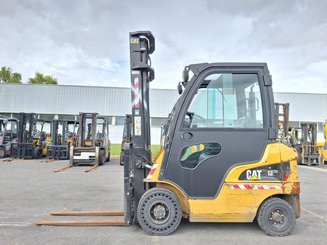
2,125
166,126
12,126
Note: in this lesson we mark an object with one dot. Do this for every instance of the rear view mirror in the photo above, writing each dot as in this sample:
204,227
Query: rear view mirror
185,74
179,88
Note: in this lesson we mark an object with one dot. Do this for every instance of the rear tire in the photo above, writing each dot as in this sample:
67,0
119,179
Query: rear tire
276,217
108,158
37,153
159,212
121,158
101,158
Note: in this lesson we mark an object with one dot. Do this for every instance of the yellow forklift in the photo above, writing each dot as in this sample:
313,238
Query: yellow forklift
41,137
93,143
59,148
219,160
33,137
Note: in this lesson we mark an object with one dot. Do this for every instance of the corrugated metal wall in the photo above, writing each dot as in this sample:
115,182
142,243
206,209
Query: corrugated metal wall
305,107
60,99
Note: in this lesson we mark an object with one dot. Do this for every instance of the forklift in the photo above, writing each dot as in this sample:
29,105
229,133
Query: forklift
8,134
72,127
308,148
58,149
33,137
219,160
93,143
24,147
41,135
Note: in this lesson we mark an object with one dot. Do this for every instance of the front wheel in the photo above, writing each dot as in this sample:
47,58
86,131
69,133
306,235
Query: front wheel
37,153
276,217
159,212
101,157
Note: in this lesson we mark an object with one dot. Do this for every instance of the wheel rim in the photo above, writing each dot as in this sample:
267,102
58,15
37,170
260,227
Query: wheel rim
159,213
278,218
159,216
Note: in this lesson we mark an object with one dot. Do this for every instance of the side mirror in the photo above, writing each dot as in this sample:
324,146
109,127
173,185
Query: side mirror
179,88
185,74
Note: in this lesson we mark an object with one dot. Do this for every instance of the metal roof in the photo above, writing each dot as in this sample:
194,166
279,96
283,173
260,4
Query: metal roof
113,101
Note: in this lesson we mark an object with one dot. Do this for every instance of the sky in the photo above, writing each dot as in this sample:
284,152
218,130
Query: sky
85,42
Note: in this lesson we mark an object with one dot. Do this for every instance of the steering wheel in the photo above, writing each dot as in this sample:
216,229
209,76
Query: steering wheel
36,133
194,119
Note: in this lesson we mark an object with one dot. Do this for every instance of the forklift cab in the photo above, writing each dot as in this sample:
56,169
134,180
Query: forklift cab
227,108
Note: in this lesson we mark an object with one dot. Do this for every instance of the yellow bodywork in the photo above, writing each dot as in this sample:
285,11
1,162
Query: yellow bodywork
44,145
237,205
322,146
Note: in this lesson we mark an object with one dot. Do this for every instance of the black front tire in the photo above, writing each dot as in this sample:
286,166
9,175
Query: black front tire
276,217
37,153
121,158
101,158
159,212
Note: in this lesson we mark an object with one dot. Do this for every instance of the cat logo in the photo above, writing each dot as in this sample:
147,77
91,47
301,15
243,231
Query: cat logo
134,40
253,174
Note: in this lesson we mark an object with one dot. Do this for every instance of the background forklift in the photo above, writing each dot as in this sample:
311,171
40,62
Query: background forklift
72,133
93,143
58,149
239,172
32,139
8,134
310,152
41,137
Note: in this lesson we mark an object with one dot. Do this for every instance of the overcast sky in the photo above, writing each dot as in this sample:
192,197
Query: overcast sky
86,42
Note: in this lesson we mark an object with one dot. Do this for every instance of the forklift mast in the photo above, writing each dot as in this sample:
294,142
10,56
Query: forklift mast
23,136
83,127
23,148
55,132
138,157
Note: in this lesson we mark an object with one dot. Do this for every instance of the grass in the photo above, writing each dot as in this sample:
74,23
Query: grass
115,149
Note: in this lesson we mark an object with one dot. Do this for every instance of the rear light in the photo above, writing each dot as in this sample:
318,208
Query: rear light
286,171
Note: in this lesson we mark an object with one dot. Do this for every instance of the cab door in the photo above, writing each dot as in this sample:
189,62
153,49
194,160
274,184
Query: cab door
224,121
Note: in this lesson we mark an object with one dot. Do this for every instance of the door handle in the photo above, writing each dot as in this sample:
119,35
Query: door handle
187,136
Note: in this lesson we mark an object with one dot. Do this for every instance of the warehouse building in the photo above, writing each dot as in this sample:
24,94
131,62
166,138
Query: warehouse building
65,102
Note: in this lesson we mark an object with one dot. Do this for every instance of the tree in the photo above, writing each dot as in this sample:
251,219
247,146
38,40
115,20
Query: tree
7,76
39,78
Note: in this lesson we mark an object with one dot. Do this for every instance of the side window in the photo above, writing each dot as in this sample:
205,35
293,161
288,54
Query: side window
192,155
226,100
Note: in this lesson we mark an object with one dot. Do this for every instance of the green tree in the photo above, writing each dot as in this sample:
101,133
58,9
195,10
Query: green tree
7,76
39,78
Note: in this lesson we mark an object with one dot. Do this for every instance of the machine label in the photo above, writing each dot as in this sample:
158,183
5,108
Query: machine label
253,174
273,172
135,40
138,125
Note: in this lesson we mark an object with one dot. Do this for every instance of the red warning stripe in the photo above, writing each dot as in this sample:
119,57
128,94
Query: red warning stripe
152,170
136,93
254,187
